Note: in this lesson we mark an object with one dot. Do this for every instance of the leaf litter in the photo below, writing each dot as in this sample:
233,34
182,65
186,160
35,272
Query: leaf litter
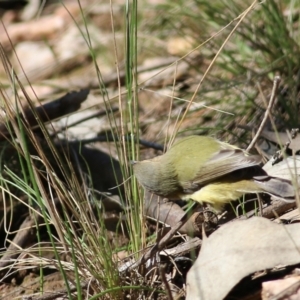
232,252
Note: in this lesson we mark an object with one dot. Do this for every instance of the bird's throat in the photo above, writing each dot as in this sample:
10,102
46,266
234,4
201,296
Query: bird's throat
159,180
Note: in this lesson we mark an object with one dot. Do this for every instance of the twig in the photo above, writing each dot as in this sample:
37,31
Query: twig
279,207
24,236
94,115
165,282
109,138
57,108
163,242
58,294
267,112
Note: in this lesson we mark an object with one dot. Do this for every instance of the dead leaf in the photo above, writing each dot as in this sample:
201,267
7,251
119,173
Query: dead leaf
237,250
281,138
284,288
288,169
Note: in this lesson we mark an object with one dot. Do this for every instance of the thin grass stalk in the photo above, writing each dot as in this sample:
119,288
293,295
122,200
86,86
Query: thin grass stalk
34,176
135,216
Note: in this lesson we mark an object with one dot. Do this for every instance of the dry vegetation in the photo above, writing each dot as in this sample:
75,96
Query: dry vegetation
74,223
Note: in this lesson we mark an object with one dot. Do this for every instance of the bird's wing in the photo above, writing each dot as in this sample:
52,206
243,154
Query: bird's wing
224,162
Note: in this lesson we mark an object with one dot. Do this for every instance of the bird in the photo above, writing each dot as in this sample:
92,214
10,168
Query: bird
207,170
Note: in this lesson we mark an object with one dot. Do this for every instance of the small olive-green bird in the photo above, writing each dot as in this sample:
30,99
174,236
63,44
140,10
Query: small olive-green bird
207,170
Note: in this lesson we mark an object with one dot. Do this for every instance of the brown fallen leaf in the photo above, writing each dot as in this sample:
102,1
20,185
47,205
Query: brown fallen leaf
287,288
171,213
237,250
288,169
44,28
281,138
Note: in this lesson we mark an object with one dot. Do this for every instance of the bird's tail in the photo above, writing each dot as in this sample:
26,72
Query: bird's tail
283,179
278,188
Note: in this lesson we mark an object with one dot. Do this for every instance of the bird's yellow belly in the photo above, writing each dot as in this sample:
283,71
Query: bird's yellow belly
218,194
